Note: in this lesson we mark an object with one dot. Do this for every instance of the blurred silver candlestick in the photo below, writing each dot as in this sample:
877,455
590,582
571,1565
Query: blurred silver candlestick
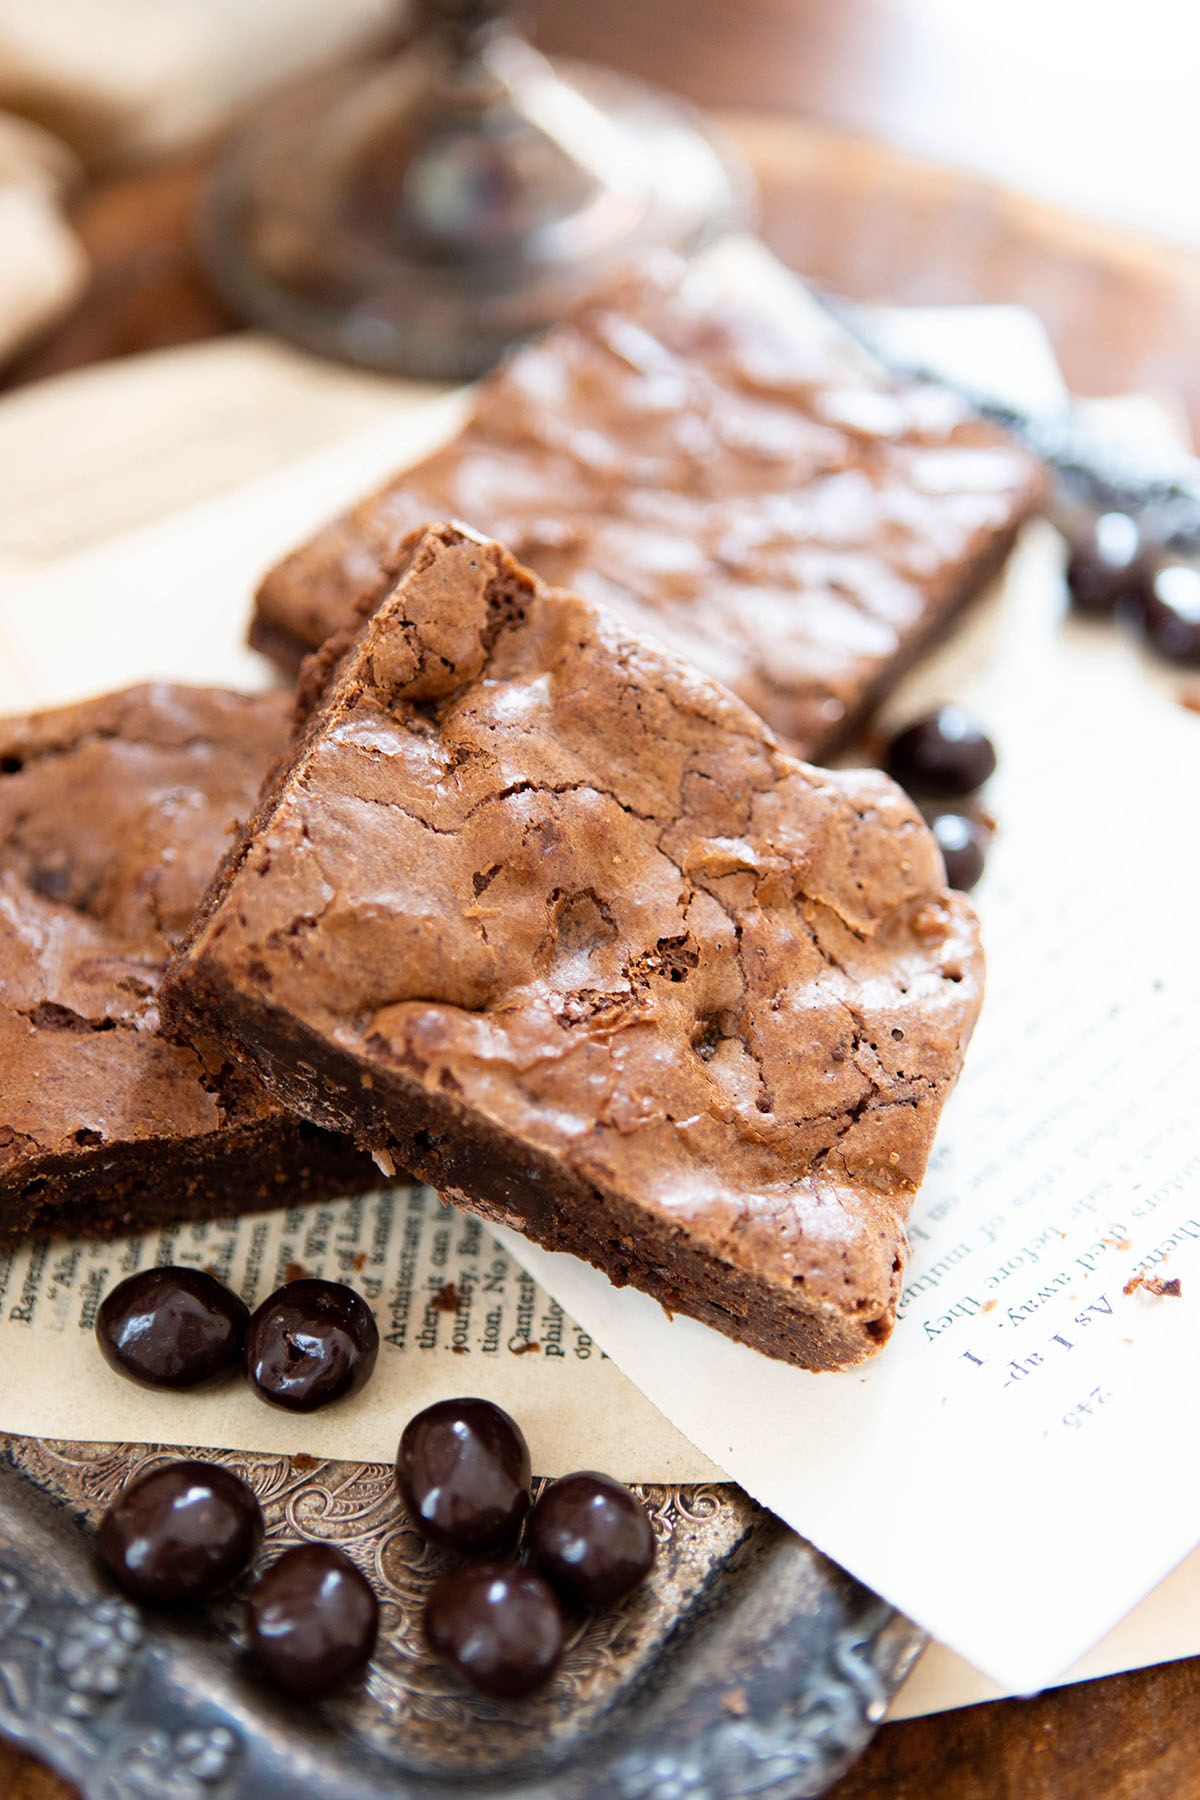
425,214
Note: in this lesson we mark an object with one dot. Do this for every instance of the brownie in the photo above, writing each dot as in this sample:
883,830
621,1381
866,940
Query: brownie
113,816
757,496
544,915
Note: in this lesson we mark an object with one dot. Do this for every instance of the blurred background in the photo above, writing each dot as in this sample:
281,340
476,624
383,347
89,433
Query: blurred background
1090,103
940,150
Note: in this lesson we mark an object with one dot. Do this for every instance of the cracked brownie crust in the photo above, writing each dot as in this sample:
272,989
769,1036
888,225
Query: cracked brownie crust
113,815
542,914
759,499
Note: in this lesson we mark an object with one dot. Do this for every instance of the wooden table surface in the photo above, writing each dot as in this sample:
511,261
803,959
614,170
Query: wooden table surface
1121,308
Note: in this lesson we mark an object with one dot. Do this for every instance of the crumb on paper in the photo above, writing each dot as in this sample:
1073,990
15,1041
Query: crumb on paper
461,1349
525,1348
989,1306
303,1462
735,1702
1171,1289
295,1272
358,1262
446,1298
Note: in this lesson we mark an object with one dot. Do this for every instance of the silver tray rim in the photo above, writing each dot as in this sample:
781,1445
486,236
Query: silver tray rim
768,1687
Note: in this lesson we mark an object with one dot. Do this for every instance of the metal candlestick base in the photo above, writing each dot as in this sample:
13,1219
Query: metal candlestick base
424,216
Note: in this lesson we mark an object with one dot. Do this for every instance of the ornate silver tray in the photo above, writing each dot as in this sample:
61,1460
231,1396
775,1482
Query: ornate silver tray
749,1666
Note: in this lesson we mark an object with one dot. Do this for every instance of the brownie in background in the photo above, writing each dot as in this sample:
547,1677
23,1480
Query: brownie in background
757,495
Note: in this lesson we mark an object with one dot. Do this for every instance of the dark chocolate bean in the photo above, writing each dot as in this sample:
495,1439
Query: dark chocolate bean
945,755
500,1628
311,1343
591,1538
1171,613
1107,568
463,1472
171,1328
313,1620
963,845
181,1532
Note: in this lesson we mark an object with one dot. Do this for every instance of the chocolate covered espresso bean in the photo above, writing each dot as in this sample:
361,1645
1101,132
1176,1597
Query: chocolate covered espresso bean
181,1532
171,1328
310,1343
463,1471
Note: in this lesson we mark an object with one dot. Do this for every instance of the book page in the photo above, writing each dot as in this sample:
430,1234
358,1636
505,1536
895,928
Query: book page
1017,1469
1161,1628
456,1315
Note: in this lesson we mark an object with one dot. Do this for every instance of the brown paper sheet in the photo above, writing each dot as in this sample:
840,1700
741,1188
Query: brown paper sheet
456,1316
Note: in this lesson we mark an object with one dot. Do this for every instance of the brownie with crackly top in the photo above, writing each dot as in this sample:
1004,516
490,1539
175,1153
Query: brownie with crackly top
113,815
752,492
542,914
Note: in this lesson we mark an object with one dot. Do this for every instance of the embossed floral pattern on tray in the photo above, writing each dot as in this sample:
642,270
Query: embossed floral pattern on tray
66,1674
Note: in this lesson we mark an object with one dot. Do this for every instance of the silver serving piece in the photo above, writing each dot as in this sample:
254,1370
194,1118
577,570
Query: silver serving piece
749,1668
422,215
1090,473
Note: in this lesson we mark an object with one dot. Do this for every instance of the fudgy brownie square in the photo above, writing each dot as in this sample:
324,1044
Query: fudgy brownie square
541,913
754,494
113,815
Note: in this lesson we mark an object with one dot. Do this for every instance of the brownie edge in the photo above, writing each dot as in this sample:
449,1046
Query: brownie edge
113,815
547,917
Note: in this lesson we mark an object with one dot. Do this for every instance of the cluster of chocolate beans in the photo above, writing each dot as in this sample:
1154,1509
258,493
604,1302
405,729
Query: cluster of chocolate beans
185,1531
310,1343
1112,574
463,1471
946,756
